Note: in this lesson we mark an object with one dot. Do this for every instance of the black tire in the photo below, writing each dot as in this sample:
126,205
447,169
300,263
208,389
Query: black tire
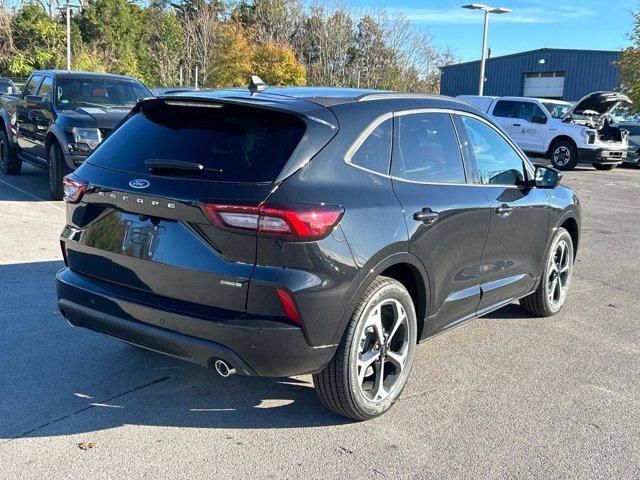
57,170
564,155
338,385
10,164
604,166
539,302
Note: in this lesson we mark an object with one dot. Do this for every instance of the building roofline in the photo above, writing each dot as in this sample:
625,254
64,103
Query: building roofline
539,50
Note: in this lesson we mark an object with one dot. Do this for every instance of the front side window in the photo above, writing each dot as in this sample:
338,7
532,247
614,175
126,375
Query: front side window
374,153
46,89
427,149
497,162
31,86
528,111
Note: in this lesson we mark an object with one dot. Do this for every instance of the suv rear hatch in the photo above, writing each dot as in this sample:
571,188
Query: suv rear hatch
143,221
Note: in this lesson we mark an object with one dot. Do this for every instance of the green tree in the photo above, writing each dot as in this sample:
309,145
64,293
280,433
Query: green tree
118,31
38,39
166,48
629,65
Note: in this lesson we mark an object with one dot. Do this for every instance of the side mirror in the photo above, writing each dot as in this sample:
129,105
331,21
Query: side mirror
547,177
542,119
36,102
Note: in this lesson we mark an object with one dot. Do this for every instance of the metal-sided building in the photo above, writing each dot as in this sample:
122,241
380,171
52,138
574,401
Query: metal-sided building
547,73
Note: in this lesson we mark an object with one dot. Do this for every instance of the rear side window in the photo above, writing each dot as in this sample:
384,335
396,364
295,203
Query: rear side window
375,152
427,149
505,108
231,143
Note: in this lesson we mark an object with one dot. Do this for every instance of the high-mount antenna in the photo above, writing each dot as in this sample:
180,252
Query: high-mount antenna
257,85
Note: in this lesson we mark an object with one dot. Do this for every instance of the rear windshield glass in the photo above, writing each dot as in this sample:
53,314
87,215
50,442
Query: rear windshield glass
231,143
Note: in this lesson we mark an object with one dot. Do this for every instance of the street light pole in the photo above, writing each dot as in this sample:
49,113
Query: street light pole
69,36
483,58
67,7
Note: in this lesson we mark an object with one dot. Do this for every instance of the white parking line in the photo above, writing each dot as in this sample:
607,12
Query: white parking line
33,196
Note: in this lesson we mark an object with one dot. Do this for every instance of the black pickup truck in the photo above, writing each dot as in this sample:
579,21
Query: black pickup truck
60,117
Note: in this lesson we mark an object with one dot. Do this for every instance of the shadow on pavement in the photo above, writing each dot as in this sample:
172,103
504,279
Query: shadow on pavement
59,380
31,185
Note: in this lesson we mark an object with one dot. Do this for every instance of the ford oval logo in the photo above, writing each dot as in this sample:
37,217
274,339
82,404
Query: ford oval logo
139,183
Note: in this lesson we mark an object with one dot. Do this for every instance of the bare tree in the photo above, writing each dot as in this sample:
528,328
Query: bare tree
276,21
200,26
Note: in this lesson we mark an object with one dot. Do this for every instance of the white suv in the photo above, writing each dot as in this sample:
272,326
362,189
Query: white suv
567,134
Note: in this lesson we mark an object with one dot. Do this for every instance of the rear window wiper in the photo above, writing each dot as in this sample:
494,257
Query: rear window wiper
154,164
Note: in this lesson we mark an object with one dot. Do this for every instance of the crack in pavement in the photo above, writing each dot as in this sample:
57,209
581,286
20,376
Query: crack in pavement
64,417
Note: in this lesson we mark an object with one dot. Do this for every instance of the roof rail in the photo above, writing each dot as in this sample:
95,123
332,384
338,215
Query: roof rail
393,95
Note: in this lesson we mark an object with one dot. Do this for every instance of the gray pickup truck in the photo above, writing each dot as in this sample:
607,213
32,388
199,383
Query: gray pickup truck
60,117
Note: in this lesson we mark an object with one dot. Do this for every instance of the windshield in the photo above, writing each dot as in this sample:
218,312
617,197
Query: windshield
230,143
557,110
632,129
623,113
98,92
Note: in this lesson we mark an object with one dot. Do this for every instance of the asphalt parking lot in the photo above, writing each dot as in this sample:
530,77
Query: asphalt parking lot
505,396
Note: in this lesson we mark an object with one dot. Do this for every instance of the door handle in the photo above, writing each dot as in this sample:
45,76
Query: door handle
426,216
504,210
517,125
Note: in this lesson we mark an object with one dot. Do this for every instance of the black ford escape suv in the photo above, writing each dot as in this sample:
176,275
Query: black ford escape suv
310,230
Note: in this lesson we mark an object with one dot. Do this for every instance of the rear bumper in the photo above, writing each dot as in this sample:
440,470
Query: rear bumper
601,155
254,346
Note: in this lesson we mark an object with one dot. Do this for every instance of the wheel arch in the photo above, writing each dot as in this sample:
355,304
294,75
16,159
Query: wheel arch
406,269
570,224
560,138
5,125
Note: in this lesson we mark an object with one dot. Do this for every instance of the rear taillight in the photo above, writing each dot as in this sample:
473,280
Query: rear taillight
300,222
73,189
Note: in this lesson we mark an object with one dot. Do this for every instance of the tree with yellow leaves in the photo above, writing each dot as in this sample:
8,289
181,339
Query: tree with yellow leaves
277,65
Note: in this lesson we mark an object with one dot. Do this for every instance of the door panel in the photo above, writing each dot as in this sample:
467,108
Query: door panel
447,220
450,248
42,118
512,257
24,116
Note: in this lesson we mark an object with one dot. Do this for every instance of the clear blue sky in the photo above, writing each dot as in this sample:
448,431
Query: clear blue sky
584,24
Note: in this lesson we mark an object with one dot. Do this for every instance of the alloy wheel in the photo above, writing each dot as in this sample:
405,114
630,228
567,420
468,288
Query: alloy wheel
383,350
561,156
559,273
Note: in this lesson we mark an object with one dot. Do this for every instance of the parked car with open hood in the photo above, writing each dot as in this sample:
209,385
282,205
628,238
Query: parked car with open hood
59,119
310,230
567,134
8,87
633,152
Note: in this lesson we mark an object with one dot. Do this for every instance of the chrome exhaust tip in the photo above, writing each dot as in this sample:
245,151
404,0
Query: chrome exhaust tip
224,369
